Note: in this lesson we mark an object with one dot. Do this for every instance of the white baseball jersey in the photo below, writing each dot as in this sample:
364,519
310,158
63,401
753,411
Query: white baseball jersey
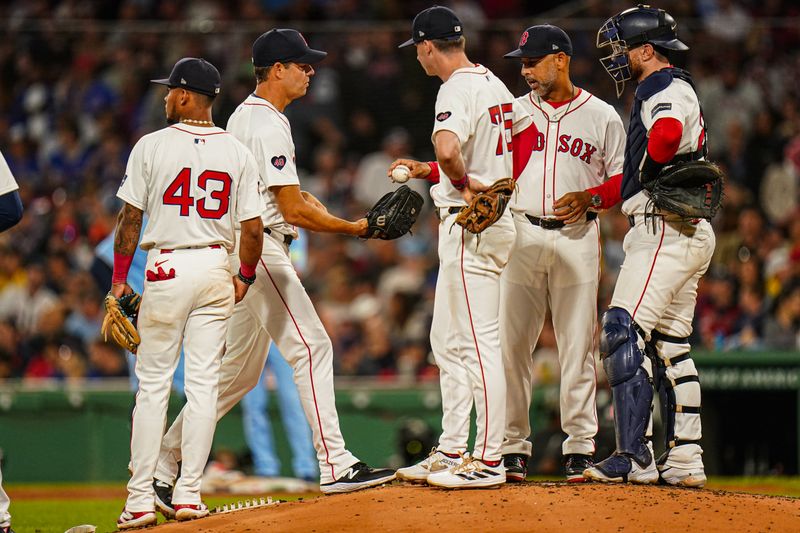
7,181
194,183
677,101
475,105
268,135
578,145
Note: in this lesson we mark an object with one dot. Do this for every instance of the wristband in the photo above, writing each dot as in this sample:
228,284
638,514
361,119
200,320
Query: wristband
122,264
433,177
245,279
248,271
460,184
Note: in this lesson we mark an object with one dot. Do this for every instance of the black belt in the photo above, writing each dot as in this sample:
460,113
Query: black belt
450,210
287,239
553,223
690,221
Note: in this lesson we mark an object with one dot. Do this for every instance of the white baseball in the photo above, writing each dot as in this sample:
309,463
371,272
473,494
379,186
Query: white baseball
401,173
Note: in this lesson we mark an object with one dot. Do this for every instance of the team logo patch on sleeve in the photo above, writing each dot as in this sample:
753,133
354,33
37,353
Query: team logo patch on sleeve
444,115
658,108
279,161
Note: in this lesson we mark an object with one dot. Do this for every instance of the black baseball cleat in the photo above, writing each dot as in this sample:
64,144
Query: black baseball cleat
516,467
357,477
164,498
575,464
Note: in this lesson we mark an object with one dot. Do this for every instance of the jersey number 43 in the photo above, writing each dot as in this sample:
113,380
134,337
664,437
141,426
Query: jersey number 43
502,115
179,193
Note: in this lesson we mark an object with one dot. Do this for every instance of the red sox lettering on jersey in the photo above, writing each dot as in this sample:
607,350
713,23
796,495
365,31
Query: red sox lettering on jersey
579,143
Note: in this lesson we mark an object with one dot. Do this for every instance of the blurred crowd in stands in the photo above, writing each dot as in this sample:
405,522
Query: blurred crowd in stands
75,97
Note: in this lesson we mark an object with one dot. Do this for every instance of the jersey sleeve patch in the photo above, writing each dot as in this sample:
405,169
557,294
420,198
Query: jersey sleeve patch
279,161
444,115
658,108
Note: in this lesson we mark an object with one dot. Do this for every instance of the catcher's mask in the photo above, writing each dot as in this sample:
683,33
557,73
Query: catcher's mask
631,28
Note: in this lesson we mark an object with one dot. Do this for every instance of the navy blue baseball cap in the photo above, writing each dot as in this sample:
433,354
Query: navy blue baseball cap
284,46
542,40
436,22
197,75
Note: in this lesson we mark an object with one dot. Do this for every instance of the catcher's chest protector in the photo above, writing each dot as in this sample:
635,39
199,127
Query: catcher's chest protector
636,142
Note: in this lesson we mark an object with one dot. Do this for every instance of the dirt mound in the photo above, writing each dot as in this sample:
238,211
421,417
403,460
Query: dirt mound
537,507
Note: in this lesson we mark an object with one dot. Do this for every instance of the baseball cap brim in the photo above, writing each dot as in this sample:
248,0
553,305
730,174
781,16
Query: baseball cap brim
187,87
407,43
311,56
674,44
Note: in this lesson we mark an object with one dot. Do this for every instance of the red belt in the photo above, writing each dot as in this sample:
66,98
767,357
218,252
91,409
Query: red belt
170,250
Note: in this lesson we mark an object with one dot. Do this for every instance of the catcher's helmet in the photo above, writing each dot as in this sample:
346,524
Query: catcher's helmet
633,27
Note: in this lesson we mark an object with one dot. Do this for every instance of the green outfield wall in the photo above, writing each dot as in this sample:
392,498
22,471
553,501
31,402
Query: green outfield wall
750,412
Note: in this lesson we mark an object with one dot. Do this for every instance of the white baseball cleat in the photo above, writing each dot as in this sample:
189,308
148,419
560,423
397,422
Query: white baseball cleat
621,468
186,511
136,519
683,477
470,474
435,462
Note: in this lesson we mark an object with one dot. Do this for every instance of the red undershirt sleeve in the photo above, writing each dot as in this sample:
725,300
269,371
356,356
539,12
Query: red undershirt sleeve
610,191
665,139
522,146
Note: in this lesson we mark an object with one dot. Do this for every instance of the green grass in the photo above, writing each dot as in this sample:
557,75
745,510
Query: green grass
56,516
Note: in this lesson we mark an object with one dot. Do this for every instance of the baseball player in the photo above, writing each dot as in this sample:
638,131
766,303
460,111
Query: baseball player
577,141
194,181
278,307
472,139
665,256
10,215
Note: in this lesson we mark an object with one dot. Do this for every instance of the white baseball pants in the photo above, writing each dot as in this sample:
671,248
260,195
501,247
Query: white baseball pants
465,335
191,309
558,269
657,285
276,308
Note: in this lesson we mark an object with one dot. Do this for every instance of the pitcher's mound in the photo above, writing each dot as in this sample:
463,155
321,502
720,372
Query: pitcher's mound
536,507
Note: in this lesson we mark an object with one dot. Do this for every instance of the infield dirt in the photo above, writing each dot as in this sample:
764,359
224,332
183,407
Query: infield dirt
536,506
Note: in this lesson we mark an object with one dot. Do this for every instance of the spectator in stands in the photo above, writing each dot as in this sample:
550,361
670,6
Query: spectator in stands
782,328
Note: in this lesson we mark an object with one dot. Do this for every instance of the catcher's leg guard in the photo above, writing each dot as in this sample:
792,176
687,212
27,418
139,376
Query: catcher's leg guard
679,390
631,387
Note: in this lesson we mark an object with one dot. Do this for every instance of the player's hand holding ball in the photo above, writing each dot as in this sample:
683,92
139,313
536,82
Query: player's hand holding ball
401,170
401,173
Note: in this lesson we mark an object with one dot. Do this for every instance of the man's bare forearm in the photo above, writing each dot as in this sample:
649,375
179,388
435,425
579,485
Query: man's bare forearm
129,225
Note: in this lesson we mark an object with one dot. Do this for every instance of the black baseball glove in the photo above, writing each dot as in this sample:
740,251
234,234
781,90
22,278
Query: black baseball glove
394,214
691,189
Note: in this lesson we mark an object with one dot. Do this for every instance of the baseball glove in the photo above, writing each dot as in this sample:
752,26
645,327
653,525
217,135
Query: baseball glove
120,320
692,189
394,214
486,207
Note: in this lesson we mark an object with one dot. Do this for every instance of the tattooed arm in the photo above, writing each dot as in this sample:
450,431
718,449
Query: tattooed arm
126,237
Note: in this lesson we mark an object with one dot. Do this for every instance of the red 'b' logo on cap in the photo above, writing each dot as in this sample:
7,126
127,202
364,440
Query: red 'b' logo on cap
523,39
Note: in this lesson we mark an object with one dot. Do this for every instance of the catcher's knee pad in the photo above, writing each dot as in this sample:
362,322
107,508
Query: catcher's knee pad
679,391
619,346
631,386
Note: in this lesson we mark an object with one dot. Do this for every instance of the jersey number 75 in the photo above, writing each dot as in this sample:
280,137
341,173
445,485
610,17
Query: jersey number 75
502,115
179,193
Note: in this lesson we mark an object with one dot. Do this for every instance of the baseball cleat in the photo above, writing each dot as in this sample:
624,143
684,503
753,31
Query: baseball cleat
163,492
190,511
516,465
435,462
621,468
470,474
359,476
136,519
681,477
574,466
